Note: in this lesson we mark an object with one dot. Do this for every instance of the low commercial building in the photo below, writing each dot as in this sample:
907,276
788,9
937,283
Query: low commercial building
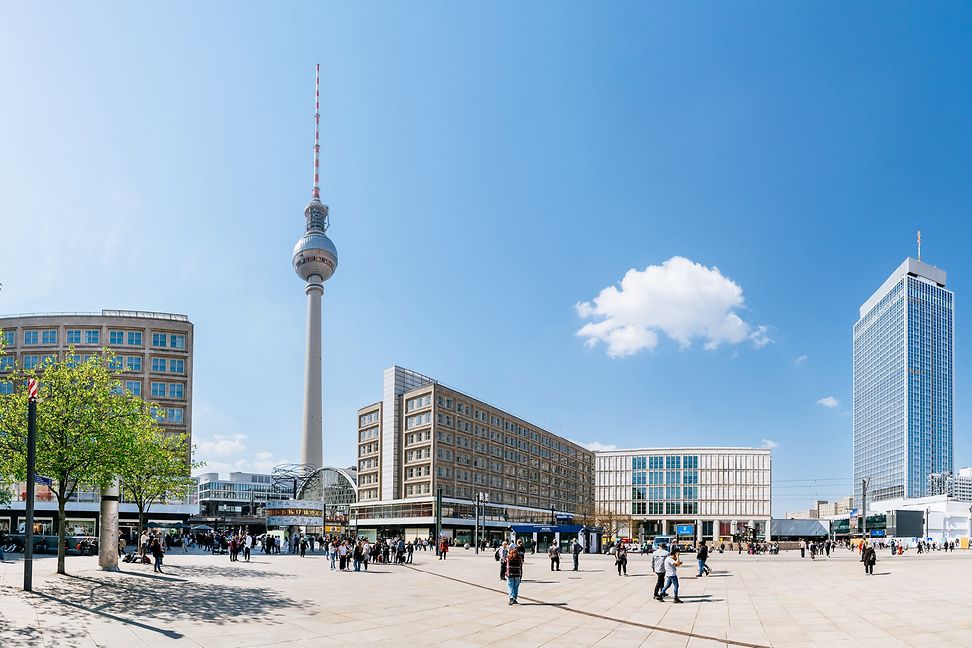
694,493
424,438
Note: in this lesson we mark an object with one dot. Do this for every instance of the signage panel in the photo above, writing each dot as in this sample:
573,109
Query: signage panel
685,529
295,513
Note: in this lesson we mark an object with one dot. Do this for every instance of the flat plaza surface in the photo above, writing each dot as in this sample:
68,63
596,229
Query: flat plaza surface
205,600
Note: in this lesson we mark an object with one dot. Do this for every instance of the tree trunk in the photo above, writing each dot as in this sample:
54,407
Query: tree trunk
61,532
141,520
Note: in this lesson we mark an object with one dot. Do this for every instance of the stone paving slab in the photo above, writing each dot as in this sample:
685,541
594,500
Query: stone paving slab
748,601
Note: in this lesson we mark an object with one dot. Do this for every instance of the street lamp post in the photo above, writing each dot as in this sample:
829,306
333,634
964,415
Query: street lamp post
31,461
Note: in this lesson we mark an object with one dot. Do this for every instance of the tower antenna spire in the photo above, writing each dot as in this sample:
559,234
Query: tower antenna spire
317,128
919,245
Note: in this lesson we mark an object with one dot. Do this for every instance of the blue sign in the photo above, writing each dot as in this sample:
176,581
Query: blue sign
42,480
878,533
565,516
685,529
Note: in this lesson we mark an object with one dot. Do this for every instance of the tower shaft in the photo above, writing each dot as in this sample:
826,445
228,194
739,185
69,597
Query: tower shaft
312,437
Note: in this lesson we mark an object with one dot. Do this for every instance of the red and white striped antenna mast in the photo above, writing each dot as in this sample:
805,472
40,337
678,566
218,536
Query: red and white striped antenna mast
317,134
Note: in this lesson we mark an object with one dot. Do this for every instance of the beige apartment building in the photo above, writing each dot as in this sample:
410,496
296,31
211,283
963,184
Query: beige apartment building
154,353
424,436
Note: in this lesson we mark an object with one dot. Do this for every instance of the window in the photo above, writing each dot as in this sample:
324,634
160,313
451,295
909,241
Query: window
177,341
74,336
174,415
159,339
30,361
134,387
365,419
116,337
133,363
6,388
158,364
158,390
177,366
639,463
9,337
6,363
135,338
49,336
177,390
31,337
92,336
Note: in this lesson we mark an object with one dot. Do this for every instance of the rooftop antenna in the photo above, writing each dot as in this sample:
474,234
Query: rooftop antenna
317,144
919,245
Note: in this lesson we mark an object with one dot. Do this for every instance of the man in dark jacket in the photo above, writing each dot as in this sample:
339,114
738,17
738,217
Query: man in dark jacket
869,558
703,555
575,550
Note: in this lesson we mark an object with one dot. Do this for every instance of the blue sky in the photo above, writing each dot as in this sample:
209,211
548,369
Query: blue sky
490,167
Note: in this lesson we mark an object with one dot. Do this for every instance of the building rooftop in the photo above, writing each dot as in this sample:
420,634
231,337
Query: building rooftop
909,266
172,317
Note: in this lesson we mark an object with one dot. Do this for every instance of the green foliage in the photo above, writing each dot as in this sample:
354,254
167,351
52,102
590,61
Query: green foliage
86,427
156,467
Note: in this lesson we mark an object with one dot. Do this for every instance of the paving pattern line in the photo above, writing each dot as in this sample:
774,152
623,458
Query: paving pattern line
594,615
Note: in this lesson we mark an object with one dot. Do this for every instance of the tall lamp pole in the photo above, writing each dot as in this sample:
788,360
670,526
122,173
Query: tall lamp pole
31,461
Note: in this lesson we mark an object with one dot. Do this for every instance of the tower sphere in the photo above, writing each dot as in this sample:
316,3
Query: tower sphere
315,253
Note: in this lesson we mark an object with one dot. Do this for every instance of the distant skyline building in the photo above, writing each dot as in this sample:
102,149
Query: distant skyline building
904,384
315,259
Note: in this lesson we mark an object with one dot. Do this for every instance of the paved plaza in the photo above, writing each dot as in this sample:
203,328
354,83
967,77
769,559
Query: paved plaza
205,600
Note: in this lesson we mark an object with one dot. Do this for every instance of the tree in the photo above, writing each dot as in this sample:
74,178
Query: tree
157,467
85,427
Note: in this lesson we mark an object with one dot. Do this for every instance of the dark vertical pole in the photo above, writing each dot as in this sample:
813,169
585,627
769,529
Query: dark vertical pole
438,517
29,527
476,535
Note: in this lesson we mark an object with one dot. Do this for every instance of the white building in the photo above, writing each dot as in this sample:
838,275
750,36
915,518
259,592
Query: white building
945,518
710,493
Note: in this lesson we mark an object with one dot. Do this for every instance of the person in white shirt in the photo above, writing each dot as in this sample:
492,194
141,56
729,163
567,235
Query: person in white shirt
672,563
247,545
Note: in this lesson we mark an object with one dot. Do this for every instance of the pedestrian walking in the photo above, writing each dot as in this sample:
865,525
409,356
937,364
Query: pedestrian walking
803,548
157,553
443,548
702,556
672,563
514,573
621,559
869,558
501,554
247,546
303,546
575,552
554,554
658,566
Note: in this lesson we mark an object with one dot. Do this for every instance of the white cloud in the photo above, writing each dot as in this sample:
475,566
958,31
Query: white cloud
770,443
221,445
596,446
800,360
828,401
679,298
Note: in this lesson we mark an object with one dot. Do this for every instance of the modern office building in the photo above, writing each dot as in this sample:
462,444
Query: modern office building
423,437
956,486
822,509
904,384
241,494
695,493
154,353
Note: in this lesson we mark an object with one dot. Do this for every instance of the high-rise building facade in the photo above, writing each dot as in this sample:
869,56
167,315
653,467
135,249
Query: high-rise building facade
423,436
698,493
904,384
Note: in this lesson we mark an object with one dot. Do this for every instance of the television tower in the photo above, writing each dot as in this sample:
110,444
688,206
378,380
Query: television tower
315,260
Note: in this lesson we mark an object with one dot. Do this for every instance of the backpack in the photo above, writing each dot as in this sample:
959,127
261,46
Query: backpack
496,555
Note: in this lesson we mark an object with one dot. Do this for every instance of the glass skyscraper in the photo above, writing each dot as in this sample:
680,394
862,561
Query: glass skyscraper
904,384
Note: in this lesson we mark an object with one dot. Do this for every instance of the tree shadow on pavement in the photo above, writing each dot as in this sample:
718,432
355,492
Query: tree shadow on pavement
219,571
29,636
151,604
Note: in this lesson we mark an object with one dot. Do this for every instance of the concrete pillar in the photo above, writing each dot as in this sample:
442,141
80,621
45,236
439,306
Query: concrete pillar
698,532
108,531
715,530
769,529
664,527
312,437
